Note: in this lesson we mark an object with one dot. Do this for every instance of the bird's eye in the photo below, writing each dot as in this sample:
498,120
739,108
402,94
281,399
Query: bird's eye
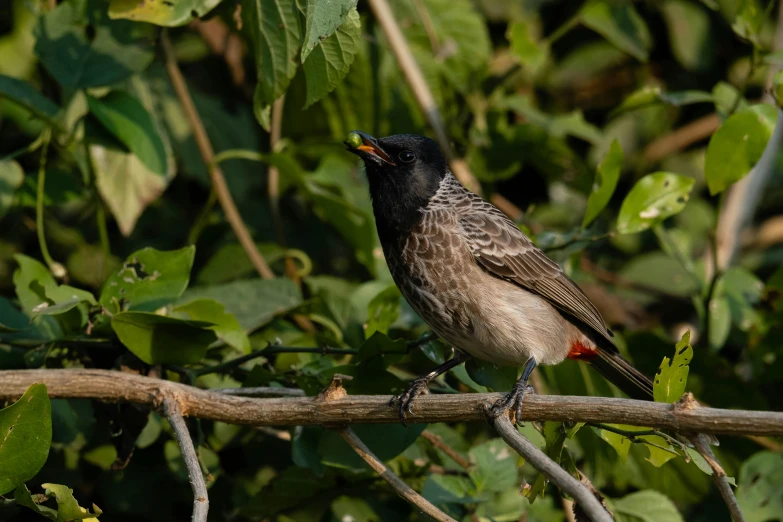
407,156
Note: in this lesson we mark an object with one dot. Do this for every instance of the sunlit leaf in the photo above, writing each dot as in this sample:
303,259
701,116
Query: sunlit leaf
68,509
606,176
330,61
530,53
671,379
322,19
25,436
161,12
226,326
157,339
646,506
654,198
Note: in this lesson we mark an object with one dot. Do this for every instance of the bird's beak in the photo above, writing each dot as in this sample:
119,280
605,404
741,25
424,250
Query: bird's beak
361,143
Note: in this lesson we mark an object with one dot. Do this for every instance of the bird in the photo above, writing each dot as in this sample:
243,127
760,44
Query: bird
475,278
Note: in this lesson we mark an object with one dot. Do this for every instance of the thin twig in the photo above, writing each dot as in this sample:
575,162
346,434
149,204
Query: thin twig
421,91
261,391
702,445
273,185
55,268
271,350
560,477
278,434
208,155
437,441
632,437
114,386
200,498
402,489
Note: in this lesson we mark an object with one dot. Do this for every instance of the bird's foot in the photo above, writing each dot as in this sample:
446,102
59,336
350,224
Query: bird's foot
406,399
512,401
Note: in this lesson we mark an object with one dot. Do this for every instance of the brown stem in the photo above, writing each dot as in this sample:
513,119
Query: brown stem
113,386
208,155
437,441
719,475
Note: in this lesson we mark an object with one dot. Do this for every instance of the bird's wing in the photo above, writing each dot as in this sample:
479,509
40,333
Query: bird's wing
502,249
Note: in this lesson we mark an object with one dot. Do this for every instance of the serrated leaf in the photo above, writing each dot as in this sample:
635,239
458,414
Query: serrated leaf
127,119
157,339
81,47
606,176
654,198
329,62
23,498
148,280
645,506
25,437
737,146
27,96
322,19
225,326
161,12
619,23
275,35
68,509
671,379
382,311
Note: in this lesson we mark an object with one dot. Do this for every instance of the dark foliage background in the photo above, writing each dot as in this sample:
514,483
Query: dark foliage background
112,246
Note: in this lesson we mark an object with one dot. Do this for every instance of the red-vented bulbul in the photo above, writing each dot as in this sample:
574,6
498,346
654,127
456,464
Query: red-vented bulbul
475,278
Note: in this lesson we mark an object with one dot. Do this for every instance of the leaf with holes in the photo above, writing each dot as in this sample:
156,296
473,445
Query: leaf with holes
168,13
737,146
25,437
654,198
157,339
670,381
148,279
606,176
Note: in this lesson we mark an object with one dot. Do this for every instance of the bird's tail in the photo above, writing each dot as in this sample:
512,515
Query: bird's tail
619,372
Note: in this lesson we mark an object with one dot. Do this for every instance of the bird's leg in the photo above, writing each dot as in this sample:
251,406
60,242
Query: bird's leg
419,386
517,395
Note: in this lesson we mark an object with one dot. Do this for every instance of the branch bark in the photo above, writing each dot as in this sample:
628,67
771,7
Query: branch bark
208,155
200,498
719,475
113,386
402,489
559,477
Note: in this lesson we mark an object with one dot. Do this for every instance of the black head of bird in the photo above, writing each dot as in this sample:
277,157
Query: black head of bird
404,171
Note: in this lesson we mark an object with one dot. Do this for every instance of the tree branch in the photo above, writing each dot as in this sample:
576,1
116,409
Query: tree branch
560,477
114,386
402,489
719,475
200,498
208,155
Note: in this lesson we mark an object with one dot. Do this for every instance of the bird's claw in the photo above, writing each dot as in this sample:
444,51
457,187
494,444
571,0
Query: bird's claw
512,401
406,398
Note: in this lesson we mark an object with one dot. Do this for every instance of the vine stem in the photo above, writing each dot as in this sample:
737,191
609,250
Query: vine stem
208,155
55,268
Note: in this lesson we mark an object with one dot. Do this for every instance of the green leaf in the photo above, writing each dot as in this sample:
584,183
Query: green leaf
379,344
25,437
101,456
670,381
148,280
529,52
620,443
11,178
382,311
495,376
449,489
126,118
157,339
690,34
68,509
275,35
619,23
386,442
253,302
28,97
81,47
495,466
737,145
225,326
328,63
322,19
645,506
654,198
23,498
652,94
161,12
353,510
749,20
760,483
720,322
31,280
606,176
